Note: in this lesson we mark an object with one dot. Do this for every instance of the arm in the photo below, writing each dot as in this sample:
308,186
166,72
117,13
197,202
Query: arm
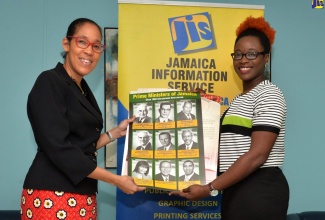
270,109
116,133
125,183
262,143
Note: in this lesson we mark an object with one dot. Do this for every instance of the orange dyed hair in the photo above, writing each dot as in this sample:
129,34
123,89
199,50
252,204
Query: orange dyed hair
259,24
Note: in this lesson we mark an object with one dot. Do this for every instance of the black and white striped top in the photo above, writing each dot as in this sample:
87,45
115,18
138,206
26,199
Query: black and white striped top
261,109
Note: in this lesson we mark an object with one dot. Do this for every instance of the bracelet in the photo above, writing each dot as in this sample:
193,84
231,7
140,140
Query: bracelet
211,187
111,139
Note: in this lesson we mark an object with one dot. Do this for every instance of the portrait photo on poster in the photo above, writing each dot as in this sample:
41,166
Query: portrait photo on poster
111,100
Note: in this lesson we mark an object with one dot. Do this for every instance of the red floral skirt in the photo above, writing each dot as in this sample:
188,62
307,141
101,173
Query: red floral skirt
44,204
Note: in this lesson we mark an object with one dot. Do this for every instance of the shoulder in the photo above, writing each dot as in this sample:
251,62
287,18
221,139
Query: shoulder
47,76
268,93
182,146
268,90
50,78
55,73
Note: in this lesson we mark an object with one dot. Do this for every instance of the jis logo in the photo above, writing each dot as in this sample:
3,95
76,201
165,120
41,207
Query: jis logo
192,33
317,4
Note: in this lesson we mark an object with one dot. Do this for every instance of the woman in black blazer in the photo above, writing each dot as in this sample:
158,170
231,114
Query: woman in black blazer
67,124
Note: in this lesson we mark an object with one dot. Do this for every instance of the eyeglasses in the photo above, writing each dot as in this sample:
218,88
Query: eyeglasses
248,55
84,43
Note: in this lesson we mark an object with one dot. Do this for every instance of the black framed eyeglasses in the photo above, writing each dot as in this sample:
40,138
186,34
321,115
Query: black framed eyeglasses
248,55
83,43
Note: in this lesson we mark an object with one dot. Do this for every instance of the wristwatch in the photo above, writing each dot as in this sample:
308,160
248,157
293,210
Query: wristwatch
213,191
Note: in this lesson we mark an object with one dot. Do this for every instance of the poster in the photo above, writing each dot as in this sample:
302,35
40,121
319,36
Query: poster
165,144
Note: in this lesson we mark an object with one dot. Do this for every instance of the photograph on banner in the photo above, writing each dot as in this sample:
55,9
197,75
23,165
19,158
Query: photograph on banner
168,129
142,171
165,144
189,172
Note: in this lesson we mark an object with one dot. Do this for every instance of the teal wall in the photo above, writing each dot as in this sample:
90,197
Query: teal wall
30,42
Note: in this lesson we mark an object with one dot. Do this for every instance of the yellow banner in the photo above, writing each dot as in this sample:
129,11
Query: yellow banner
177,45
188,46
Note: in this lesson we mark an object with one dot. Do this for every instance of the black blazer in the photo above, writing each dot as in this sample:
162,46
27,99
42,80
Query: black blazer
66,126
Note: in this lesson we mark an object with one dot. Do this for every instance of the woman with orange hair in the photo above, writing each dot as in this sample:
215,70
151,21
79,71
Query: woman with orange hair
252,132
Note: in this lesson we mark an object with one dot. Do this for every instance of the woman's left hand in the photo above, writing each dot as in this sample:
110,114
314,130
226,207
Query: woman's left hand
193,192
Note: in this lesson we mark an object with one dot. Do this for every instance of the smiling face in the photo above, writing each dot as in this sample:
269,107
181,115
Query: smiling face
80,62
165,168
143,138
165,110
164,139
187,107
188,167
143,169
142,111
250,71
187,137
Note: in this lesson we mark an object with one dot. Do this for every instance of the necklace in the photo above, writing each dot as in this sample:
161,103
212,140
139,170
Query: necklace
75,81
82,91
79,86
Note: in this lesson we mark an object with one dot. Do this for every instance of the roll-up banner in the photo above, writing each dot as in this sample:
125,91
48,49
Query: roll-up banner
176,45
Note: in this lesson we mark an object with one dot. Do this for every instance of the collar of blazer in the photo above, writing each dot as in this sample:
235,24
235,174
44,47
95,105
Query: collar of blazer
90,104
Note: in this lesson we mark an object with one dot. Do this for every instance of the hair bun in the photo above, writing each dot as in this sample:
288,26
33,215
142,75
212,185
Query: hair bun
259,24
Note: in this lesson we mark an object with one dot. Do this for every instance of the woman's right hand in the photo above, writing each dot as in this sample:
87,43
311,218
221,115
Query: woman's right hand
128,186
120,129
